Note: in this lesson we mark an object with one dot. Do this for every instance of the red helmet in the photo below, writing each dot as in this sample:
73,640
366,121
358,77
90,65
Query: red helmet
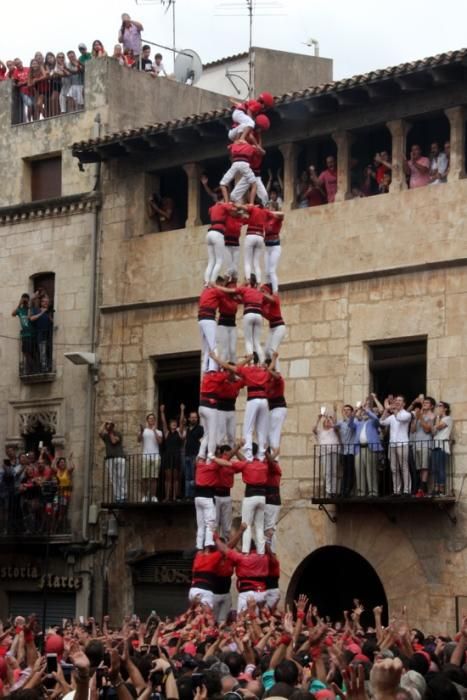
262,122
267,99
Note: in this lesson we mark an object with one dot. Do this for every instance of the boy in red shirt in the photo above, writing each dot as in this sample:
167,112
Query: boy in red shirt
241,153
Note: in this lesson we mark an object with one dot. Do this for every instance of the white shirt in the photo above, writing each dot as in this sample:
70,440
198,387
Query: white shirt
444,434
159,68
327,436
363,437
150,444
398,426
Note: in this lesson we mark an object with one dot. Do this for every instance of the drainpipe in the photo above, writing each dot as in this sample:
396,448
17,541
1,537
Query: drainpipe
92,371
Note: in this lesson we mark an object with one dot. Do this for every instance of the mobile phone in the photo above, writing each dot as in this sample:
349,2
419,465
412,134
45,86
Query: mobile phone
197,680
100,675
41,444
67,670
52,665
323,410
81,620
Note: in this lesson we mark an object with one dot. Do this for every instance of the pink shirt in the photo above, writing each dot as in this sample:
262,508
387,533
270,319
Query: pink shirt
329,180
418,179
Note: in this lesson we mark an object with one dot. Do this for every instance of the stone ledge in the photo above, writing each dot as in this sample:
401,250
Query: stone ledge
47,208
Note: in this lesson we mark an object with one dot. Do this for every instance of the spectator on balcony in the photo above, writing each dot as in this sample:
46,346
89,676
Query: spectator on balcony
417,168
382,161
84,54
421,429
327,180
130,35
367,186
159,67
192,434
442,431
385,184
162,211
275,189
151,438
37,85
329,445
42,324
346,430
118,55
6,487
75,96
98,50
114,459
172,456
369,453
20,75
52,95
26,332
45,479
65,77
438,164
447,153
301,190
63,470
398,420
29,494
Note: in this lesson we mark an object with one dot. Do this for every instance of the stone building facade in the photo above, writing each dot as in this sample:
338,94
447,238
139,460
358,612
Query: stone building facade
354,275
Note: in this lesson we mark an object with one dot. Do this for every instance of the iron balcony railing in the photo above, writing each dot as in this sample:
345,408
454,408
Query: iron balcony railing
36,348
48,97
415,469
33,510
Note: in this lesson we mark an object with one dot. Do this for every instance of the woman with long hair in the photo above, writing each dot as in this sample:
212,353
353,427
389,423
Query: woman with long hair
62,71
98,50
52,100
37,80
118,54
63,470
172,456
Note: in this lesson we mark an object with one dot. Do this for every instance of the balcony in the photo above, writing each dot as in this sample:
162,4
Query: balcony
384,474
36,513
130,482
36,363
51,97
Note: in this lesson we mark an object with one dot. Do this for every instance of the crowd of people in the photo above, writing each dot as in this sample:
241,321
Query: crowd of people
35,492
35,315
257,654
358,450
375,178
53,84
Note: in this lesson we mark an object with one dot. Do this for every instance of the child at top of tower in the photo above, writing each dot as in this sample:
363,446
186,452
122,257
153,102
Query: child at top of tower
244,114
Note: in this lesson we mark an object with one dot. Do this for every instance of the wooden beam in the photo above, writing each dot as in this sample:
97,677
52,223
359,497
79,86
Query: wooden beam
352,98
416,81
447,74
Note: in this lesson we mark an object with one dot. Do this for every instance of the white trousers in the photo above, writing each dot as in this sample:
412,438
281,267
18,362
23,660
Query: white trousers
215,241
208,419
252,328
256,420
399,461
246,178
253,516
227,343
205,597
273,596
243,120
116,466
271,517
222,606
274,339
208,331
261,191
226,427
205,521
224,516
277,417
272,254
252,250
232,255
242,600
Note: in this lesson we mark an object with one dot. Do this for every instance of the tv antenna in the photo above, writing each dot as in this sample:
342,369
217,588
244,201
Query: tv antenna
253,8
167,4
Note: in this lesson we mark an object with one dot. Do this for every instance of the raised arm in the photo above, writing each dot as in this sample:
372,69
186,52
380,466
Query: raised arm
165,428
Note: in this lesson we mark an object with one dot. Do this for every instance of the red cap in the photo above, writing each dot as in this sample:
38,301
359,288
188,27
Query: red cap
267,99
190,648
262,122
324,693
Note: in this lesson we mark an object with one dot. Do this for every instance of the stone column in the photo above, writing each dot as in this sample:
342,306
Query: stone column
399,129
456,116
193,173
343,141
289,172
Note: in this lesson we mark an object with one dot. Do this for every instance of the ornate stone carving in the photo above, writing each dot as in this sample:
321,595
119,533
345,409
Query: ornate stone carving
29,421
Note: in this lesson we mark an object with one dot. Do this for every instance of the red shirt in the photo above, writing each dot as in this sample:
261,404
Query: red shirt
256,379
252,300
228,305
272,311
274,475
225,567
233,228
256,162
208,302
206,473
204,566
256,221
210,383
251,570
274,572
328,179
381,171
275,388
254,473
230,389
241,151
315,197
225,478
21,77
272,229
218,214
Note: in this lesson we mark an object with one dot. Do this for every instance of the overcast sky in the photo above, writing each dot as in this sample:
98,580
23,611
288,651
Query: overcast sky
360,36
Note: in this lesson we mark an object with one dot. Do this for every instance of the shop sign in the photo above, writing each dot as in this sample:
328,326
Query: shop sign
32,573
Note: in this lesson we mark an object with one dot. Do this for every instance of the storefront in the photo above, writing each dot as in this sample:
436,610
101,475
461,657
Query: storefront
161,582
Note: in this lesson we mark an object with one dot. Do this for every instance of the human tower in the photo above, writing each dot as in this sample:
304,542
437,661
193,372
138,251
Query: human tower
224,375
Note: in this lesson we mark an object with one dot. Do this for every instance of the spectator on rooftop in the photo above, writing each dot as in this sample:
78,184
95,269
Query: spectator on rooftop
39,57
118,55
20,75
146,64
3,71
438,164
62,71
84,54
98,50
327,180
417,168
52,103
37,85
130,35
129,58
158,65
383,165
75,96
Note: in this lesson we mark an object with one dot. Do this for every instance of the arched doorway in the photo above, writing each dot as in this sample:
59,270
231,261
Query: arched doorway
332,577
